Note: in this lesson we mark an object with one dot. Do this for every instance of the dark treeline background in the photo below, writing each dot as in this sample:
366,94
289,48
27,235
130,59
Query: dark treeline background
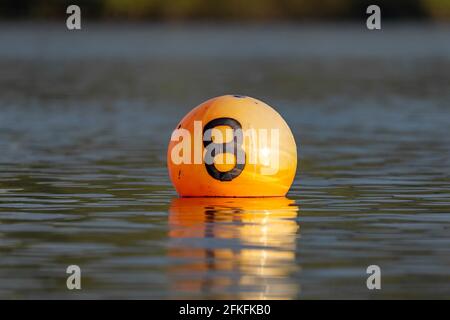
240,10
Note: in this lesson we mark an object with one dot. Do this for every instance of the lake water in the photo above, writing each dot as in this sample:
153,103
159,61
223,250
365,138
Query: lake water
85,118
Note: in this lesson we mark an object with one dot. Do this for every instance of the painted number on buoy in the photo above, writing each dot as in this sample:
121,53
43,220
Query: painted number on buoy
233,147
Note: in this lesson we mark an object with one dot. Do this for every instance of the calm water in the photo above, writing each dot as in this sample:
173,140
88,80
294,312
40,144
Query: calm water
85,118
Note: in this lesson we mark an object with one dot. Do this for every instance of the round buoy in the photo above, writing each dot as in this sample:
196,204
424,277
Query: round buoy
232,146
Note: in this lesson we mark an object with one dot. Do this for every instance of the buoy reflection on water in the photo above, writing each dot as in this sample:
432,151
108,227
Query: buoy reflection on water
233,247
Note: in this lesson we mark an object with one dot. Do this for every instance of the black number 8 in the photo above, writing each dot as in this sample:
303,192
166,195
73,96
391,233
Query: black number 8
238,152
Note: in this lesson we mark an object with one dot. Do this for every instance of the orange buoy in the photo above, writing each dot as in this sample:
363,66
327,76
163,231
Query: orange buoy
232,146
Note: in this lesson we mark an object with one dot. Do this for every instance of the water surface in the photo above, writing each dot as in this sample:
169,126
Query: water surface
85,118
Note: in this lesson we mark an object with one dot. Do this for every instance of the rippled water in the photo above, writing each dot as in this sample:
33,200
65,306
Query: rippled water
85,118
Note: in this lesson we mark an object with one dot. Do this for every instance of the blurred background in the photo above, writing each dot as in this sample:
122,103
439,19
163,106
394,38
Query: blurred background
252,10
86,115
